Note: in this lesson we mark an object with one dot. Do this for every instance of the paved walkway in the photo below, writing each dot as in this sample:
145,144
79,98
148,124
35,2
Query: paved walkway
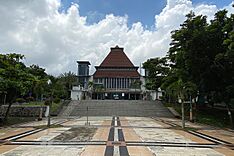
114,136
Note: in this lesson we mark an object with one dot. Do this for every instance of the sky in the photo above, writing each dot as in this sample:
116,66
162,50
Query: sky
137,10
56,33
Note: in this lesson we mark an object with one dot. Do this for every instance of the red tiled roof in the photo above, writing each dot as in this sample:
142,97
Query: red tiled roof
116,58
123,74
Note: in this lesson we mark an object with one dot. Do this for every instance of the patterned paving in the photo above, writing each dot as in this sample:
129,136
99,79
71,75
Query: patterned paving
110,138
149,130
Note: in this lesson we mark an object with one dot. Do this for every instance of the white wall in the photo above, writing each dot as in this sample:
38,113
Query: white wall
76,95
143,83
153,95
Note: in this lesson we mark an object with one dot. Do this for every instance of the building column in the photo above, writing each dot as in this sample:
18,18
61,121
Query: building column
121,79
105,82
110,82
116,83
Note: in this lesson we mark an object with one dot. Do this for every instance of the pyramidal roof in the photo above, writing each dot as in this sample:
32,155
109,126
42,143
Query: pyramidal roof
116,58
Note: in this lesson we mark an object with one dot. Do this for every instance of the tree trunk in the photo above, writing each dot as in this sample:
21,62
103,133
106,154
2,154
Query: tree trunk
8,108
7,112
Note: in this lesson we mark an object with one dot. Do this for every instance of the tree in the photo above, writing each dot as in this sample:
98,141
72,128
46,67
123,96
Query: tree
224,64
156,69
40,81
90,84
67,80
188,50
14,77
202,54
99,88
136,84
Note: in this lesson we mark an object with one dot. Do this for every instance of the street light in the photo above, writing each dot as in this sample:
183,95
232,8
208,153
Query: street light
50,102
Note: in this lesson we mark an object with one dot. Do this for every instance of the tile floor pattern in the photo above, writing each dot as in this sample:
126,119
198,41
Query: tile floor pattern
136,129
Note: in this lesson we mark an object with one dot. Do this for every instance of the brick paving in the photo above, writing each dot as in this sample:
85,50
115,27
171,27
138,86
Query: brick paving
117,135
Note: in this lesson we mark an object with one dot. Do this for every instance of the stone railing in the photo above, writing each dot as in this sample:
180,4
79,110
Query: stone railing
23,111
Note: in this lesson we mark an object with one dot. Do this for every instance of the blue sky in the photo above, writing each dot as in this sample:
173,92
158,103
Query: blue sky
55,33
137,10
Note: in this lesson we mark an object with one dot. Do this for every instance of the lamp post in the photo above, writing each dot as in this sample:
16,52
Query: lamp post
50,102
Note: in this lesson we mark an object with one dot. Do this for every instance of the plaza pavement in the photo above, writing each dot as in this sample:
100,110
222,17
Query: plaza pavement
115,135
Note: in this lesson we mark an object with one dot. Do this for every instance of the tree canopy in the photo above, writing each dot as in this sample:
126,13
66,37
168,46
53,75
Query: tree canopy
200,60
30,82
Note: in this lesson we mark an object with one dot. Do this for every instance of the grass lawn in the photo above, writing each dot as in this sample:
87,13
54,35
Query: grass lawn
214,117
54,109
210,116
34,103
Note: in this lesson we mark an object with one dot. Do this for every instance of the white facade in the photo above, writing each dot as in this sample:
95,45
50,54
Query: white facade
76,93
155,95
142,79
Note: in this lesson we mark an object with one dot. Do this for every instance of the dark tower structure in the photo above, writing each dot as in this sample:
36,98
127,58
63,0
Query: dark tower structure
83,73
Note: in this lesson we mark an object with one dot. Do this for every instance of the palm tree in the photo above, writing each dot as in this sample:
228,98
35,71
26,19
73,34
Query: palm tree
90,84
99,89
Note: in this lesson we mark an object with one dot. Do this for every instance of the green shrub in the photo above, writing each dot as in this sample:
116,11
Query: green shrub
47,102
162,98
20,100
29,99
57,100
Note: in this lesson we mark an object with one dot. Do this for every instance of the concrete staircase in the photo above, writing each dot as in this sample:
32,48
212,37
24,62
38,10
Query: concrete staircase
67,110
116,108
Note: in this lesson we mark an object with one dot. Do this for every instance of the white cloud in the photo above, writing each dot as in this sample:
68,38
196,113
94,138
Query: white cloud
57,40
207,10
230,8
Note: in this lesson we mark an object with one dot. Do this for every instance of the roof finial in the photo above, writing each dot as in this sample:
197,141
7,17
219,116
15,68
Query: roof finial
116,46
